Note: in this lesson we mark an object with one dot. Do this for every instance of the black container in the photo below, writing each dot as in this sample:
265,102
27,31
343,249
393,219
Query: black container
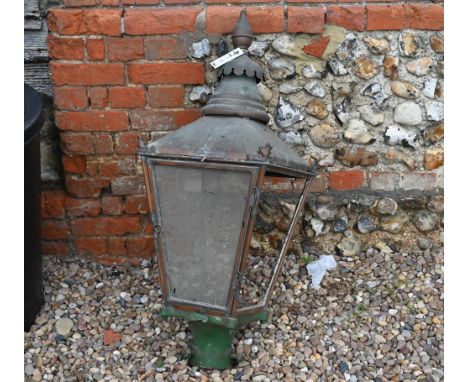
33,284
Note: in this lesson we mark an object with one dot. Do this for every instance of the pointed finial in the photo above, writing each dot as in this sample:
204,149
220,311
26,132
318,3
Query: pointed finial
242,34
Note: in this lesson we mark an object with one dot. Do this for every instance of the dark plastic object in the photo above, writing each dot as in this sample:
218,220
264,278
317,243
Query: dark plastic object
33,284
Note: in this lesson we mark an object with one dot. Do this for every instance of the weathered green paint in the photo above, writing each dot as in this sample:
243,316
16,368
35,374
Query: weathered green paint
212,336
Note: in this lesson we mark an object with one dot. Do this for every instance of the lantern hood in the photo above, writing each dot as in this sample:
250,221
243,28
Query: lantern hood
233,127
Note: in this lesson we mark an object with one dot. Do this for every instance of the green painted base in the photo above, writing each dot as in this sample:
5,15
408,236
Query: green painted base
212,336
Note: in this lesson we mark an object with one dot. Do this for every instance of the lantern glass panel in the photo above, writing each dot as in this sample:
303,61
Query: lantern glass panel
202,212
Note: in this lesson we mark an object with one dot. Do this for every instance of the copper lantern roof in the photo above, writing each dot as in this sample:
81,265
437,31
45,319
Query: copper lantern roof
233,127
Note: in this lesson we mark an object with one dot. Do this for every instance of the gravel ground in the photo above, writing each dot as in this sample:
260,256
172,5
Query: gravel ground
376,317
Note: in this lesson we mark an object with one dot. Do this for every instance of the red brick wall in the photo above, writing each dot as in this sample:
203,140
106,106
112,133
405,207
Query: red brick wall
119,70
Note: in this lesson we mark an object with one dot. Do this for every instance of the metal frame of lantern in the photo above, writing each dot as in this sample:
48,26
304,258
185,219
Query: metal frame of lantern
230,137
258,172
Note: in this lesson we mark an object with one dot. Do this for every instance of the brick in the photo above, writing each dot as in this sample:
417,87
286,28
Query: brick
349,17
105,226
74,164
266,19
240,1
424,16
81,3
111,205
113,167
55,248
306,20
96,49
319,183
156,120
127,143
140,247
317,47
140,2
160,97
103,144
181,1
418,181
85,21
160,21
315,1
77,143
52,204
136,204
90,246
127,97
55,230
165,48
109,120
388,181
66,48
346,180
70,98
128,185
87,74
82,207
125,49
385,17
221,19
116,246
110,2
98,97
167,73
86,187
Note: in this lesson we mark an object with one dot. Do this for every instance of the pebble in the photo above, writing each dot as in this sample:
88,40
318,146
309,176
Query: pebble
409,44
420,67
311,71
292,138
301,346
314,88
371,116
390,64
365,224
64,326
430,88
386,206
356,131
317,108
201,49
341,224
258,48
433,158
323,135
437,44
286,88
424,243
281,68
408,113
397,135
399,156
357,157
395,223
405,89
365,67
337,68
342,108
425,221
375,90
287,114
200,94
377,46
435,111
349,246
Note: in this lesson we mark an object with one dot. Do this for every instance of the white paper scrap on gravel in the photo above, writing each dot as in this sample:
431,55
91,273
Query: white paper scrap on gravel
317,269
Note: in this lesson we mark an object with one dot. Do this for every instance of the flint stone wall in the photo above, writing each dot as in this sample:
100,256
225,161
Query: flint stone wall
358,88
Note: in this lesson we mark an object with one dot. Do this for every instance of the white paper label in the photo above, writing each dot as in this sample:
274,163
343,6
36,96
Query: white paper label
227,57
